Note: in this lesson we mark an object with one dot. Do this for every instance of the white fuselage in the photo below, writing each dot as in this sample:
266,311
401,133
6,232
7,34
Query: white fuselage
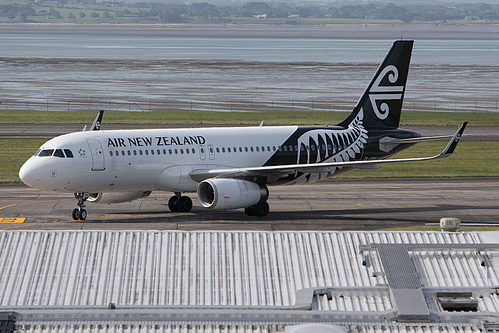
131,160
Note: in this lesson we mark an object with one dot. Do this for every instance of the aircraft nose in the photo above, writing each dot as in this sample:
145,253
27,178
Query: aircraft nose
28,173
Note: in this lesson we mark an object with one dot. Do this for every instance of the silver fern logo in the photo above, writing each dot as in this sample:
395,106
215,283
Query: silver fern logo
384,93
324,145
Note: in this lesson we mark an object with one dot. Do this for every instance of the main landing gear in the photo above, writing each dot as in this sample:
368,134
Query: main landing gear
80,213
260,209
179,203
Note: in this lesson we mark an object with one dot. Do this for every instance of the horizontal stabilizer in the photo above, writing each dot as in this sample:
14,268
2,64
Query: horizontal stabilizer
387,144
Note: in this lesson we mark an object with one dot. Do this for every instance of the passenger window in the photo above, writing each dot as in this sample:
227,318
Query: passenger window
129,153
164,151
187,151
46,152
140,152
69,153
135,152
152,151
122,153
169,151
147,152
159,152
256,148
181,151
228,149
110,153
193,150
218,150
251,148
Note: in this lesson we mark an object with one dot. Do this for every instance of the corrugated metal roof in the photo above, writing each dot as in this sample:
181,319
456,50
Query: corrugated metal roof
209,268
148,328
262,271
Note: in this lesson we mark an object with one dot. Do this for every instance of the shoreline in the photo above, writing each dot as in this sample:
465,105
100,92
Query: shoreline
368,31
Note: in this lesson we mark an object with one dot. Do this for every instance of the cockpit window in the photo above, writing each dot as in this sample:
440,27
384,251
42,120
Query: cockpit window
46,152
69,153
59,153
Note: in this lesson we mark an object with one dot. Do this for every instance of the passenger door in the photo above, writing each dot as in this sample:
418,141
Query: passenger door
97,155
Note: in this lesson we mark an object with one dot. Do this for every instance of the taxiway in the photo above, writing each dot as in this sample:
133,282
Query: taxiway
330,205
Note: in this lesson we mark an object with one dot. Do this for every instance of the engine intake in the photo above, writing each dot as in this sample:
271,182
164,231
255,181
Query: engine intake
117,197
225,193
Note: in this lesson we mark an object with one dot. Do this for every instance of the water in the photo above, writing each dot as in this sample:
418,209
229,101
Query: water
463,52
64,71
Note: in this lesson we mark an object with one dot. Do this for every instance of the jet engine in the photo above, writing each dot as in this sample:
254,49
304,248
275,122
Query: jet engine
117,197
225,193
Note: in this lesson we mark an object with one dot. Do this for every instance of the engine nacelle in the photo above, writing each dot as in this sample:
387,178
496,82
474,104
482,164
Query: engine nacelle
116,197
225,193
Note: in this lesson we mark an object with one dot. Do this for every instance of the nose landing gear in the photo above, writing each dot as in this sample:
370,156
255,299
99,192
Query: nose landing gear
80,213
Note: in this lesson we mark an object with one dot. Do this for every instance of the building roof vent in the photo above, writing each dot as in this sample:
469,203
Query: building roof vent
463,302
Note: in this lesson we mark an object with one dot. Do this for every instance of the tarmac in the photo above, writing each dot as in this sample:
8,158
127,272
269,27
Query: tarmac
329,205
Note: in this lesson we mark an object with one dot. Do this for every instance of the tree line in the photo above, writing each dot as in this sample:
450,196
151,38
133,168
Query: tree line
210,13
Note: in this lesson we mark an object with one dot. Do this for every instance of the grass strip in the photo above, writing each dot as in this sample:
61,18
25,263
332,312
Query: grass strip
471,159
437,228
13,153
237,118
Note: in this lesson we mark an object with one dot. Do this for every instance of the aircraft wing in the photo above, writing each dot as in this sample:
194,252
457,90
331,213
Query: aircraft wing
199,175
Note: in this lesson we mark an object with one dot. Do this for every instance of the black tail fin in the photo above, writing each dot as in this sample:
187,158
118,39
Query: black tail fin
381,102
97,122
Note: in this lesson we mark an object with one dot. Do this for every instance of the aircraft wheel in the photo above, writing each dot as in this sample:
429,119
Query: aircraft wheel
83,214
172,203
184,204
261,209
76,214
250,211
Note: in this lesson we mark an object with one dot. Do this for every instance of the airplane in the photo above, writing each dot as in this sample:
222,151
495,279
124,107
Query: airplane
230,167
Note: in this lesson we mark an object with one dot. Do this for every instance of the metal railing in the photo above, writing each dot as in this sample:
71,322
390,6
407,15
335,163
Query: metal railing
222,105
